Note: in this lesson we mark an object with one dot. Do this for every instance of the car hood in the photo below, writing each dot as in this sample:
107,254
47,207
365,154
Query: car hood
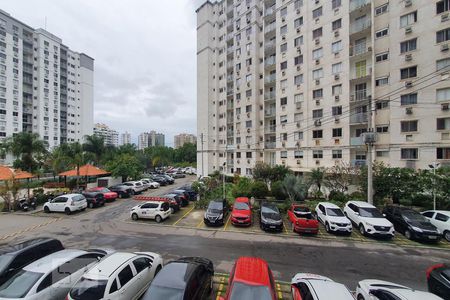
377,221
339,219
241,213
423,225
271,216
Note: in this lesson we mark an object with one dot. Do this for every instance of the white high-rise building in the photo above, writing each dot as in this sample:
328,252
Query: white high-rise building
301,82
110,136
44,86
150,139
125,138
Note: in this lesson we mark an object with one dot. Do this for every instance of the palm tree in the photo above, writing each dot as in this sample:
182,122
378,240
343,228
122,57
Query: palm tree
69,156
26,147
96,145
317,177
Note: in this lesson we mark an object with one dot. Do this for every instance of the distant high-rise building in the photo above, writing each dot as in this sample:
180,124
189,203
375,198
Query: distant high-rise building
125,138
183,138
150,139
110,136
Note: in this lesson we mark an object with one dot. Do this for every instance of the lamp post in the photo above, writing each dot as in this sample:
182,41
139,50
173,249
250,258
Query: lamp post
223,179
434,166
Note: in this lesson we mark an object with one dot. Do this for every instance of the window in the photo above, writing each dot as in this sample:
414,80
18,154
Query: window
442,153
317,33
318,53
298,79
337,132
382,104
298,22
298,4
125,275
283,30
408,99
248,62
298,41
248,78
336,24
381,81
382,153
317,113
336,68
317,154
141,263
409,153
317,134
408,45
442,6
283,83
382,57
248,108
283,136
298,98
298,60
298,154
408,72
316,74
283,65
381,9
382,129
336,89
336,47
443,35
283,119
336,110
335,4
408,19
317,12
283,47
283,154
443,123
442,63
318,93
298,135
248,93
283,12
442,217
408,126
248,124
382,33
336,154
248,154
443,94
283,101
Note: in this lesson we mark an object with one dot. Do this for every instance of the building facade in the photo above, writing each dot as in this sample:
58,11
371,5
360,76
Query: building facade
125,138
183,138
45,87
150,139
110,136
307,83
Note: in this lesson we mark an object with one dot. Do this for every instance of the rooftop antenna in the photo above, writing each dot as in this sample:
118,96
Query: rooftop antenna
45,23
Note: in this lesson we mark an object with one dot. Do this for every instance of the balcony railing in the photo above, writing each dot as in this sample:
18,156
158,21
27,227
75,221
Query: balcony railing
270,79
361,73
269,45
360,26
270,129
269,112
356,50
270,11
358,162
269,96
358,118
270,27
356,141
269,61
360,95
270,145
357,4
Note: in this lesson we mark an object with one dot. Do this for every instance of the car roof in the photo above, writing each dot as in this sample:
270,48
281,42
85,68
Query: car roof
175,274
252,270
326,289
444,212
269,204
68,195
106,267
19,247
49,262
361,203
328,205
242,199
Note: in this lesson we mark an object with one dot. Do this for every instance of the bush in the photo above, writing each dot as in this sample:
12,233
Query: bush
277,190
283,206
259,190
53,185
357,196
242,188
337,196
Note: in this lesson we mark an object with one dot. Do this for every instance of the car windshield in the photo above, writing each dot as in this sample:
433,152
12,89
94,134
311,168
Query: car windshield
105,190
78,198
269,209
243,291
241,206
166,293
18,285
334,212
410,215
88,289
370,212
215,207
4,261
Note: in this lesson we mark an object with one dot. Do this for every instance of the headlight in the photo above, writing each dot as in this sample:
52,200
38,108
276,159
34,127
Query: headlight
221,216
333,223
368,224
416,229
206,216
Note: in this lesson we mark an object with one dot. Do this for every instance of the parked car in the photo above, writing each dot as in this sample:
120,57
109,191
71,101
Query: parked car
122,190
217,212
242,212
250,279
107,193
438,280
136,186
66,203
119,276
368,219
183,196
152,184
157,210
94,199
332,217
187,278
50,277
161,180
372,289
302,219
175,198
188,189
315,287
440,219
15,257
270,217
168,178
189,195
411,223
177,174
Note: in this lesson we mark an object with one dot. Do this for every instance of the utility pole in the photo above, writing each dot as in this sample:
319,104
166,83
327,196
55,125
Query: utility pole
201,140
369,139
434,166
223,178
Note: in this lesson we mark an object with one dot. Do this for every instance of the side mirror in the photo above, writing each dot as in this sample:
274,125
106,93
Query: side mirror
384,215
357,213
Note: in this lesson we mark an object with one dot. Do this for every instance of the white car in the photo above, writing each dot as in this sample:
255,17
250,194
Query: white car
50,277
152,184
136,186
66,203
368,219
372,289
157,210
316,287
440,219
332,217
119,276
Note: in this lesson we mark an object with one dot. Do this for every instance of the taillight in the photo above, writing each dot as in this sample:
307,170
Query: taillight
432,268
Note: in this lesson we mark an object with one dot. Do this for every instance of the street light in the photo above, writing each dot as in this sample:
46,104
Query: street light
223,177
434,166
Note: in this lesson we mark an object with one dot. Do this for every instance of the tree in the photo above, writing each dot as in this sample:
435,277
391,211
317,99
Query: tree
96,145
317,177
9,191
242,188
268,174
186,153
26,147
70,156
259,190
339,177
124,166
295,188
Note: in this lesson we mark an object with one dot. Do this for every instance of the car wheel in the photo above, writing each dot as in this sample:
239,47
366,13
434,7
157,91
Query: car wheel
360,297
408,234
158,219
91,205
172,210
131,192
158,268
134,217
327,227
362,230
46,209
67,211
447,235
120,195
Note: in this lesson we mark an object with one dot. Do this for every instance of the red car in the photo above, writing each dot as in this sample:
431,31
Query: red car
302,219
242,212
107,194
250,279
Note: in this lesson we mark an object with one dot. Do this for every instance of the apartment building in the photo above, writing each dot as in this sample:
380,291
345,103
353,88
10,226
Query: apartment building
183,138
308,83
110,136
150,139
125,138
44,86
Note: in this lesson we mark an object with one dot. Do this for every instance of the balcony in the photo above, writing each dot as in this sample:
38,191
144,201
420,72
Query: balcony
230,133
357,50
360,95
270,145
230,162
230,50
270,129
361,73
269,45
358,162
269,96
269,62
230,105
270,11
358,4
270,79
270,28
357,141
270,112
230,65
230,9
359,118
360,26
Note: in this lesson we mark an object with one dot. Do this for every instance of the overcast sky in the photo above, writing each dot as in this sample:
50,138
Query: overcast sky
145,57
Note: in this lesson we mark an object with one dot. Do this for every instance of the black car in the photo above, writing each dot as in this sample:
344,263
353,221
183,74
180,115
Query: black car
94,199
168,178
161,180
438,279
217,212
270,217
187,278
411,223
122,191
14,258
188,189
181,202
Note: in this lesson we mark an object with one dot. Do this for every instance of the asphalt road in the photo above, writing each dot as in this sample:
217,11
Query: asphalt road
344,262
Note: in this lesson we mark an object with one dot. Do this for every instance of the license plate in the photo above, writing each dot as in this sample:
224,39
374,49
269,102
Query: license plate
272,226
240,221
432,237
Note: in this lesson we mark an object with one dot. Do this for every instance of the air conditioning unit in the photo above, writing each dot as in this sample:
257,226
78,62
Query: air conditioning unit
298,124
317,162
298,11
369,49
408,30
283,144
238,117
317,81
336,77
248,146
408,57
299,162
317,142
299,50
444,17
317,41
408,84
299,68
283,19
248,115
248,21
408,3
336,33
298,30
317,102
317,123
444,47
336,120
445,107
283,73
317,61
238,161
336,98
337,141
248,69
409,110
317,1
283,37
248,84
237,73
298,105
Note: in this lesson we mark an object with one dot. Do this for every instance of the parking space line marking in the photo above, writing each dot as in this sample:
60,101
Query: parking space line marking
219,292
285,229
226,224
200,224
188,212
